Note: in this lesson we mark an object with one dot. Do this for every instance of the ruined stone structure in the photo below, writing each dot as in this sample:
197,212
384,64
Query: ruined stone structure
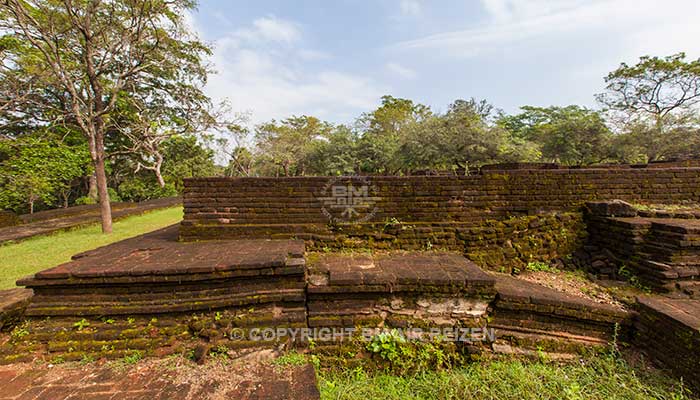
379,252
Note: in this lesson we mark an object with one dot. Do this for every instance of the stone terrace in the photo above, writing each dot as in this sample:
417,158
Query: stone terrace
397,289
155,273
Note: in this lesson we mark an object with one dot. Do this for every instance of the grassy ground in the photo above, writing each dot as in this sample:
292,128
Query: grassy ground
18,260
604,378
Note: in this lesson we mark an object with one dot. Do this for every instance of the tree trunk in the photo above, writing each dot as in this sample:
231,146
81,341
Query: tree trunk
156,169
97,152
92,186
105,207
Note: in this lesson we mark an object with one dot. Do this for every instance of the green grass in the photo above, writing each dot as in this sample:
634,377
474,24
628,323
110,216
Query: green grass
604,378
18,260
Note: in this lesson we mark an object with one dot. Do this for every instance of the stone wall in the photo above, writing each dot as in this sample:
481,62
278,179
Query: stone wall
488,215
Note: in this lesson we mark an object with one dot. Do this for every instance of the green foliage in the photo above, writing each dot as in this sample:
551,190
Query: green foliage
133,358
87,359
570,135
284,148
383,131
184,157
632,278
538,266
82,324
138,189
386,345
291,359
602,377
462,138
38,169
654,86
84,200
400,355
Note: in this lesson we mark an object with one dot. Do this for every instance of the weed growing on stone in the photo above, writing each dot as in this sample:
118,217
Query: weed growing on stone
290,359
87,359
82,324
133,358
633,279
539,266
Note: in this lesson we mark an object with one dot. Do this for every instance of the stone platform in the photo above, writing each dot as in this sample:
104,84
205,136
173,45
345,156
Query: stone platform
155,273
530,316
396,289
153,295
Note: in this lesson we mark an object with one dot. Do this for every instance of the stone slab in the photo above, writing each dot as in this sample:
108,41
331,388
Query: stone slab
518,291
12,305
685,311
158,254
394,272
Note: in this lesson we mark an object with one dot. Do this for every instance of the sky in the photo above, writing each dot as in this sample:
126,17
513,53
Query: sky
334,59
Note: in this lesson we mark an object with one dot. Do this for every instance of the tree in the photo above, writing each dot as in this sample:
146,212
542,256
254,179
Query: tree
336,153
186,158
149,120
286,145
653,87
241,162
38,169
657,100
382,131
569,135
461,138
91,53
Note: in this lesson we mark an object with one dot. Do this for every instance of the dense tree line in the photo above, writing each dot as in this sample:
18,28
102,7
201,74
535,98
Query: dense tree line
648,113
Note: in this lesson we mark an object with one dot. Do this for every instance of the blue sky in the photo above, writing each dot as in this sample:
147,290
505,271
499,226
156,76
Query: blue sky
335,58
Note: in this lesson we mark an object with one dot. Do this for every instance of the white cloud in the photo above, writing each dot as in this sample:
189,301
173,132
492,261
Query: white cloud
508,10
313,55
411,8
401,71
267,70
643,25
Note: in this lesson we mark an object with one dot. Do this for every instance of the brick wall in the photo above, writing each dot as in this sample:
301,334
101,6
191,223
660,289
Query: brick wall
406,212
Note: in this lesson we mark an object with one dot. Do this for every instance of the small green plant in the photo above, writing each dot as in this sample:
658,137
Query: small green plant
133,358
218,316
290,359
632,278
130,320
219,351
87,359
19,332
82,324
539,266
58,360
108,321
386,344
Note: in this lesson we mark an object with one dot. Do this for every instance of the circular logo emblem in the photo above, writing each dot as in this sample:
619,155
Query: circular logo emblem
349,199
